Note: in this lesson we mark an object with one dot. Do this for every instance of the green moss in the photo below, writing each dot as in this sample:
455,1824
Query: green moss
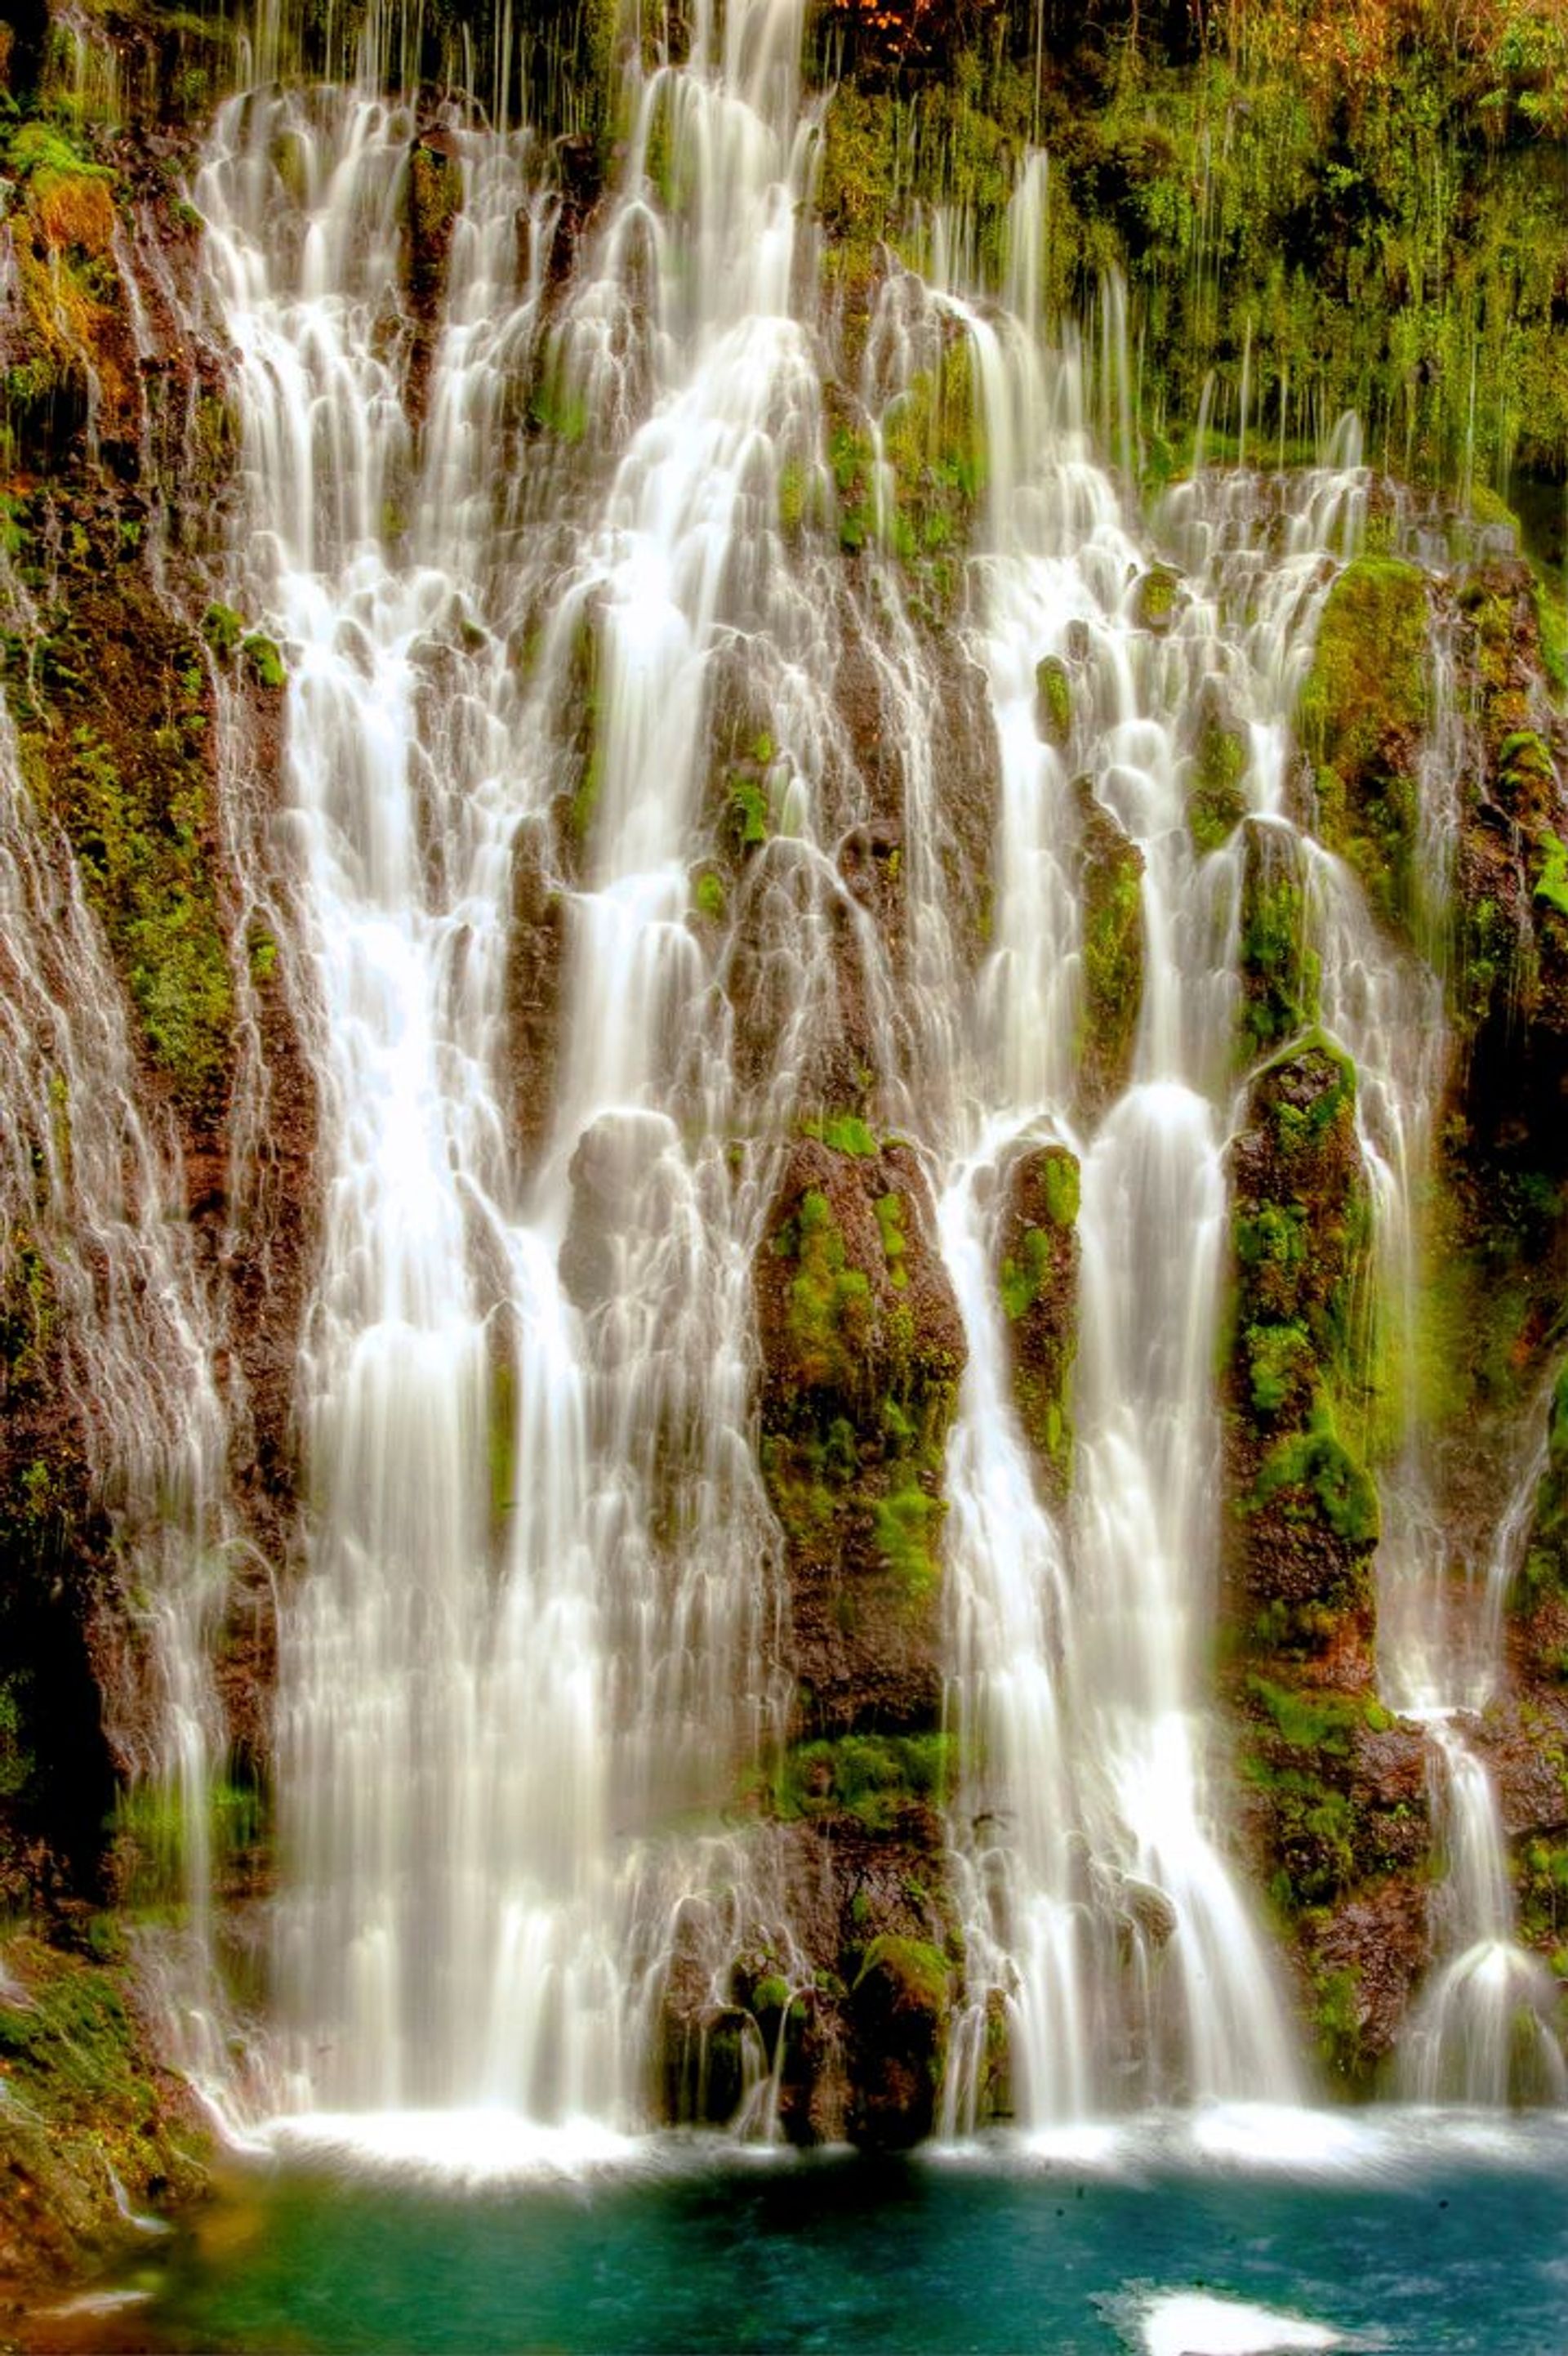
890,1211
222,629
1318,1722
919,1972
748,819
266,664
1526,779
1023,1278
709,898
1280,975
1314,1467
1337,2014
1154,599
1545,1566
1216,804
1112,951
140,846
908,1522
1361,713
1551,879
845,1134
873,1778
829,1300
27,1312
1054,701
1280,1360
1061,1189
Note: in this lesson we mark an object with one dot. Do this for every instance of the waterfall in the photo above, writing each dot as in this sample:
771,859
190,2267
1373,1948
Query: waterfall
533,510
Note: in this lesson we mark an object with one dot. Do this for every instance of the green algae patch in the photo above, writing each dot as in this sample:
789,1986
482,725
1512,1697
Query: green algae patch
1363,710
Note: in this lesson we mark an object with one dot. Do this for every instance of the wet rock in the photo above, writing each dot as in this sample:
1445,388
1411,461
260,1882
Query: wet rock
1363,709
536,955
862,1347
1111,886
1156,599
1038,1282
1054,701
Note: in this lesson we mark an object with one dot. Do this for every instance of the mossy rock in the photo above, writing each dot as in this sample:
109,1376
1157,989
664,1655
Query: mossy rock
1361,715
1054,701
1216,802
1156,599
1112,871
92,2122
1306,1517
862,1347
901,2004
1280,973
1037,1276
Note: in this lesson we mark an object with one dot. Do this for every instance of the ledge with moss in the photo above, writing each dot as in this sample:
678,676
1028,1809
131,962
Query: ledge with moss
92,2126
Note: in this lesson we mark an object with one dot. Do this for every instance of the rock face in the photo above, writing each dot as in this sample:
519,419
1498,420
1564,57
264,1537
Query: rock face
862,1349
1037,1281
1333,1790
1362,712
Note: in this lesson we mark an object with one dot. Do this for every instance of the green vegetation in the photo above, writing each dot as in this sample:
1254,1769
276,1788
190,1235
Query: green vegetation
919,1974
1053,701
1362,709
1215,801
873,1778
845,1134
1112,951
829,1300
266,664
1280,974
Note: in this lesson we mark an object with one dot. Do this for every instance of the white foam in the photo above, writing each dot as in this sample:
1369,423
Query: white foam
460,2147
1191,2323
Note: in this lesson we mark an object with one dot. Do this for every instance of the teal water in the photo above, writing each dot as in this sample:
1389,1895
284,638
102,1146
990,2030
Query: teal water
1420,2237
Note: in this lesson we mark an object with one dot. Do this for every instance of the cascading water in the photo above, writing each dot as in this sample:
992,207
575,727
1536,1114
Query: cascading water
538,589
538,1605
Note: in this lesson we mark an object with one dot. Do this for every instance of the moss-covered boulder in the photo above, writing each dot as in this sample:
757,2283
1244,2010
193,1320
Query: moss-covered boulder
93,2124
1279,970
1307,1510
1363,708
1333,1807
1157,599
862,1347
1334,1815
1037,1276
1216,800
1111,887
899,2004
1054,701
